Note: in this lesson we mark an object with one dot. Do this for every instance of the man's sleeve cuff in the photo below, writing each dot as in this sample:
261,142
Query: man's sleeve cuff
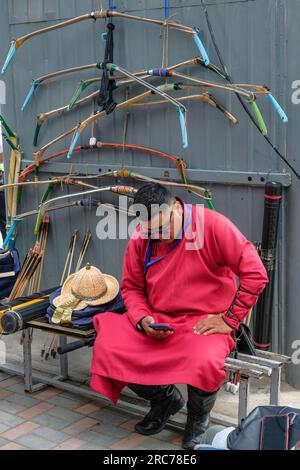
234,324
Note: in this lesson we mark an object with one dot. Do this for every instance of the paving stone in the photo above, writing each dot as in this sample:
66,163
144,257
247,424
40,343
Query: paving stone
168,435
3,442
109,415
19,431
65,402
89,408
130,424
52,422
71,444
24,399
9,419
11,382
156,444
74,396
9,407
129,443
84,424
92,446
46,393
35,442
4,394
17,388
52,434
3,428
13,446
111,430
36,410
98,439
62,413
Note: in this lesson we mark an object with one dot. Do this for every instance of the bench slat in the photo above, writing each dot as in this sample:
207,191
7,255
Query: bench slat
248,365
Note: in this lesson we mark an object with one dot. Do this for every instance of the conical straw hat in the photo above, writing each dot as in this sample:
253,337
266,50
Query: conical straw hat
89,286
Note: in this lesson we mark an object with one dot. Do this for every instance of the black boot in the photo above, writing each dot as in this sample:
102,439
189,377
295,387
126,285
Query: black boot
166,400
199,405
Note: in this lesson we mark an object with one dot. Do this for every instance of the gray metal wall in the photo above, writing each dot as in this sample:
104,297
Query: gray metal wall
258,39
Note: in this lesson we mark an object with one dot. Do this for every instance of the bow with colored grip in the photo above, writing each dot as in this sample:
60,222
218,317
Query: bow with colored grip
113,67
102,14
165,88
144,74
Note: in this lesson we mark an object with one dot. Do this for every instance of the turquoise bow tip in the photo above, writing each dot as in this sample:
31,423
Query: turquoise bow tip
29,94
185,143
278,108
201,48
73,144
10,233
9,57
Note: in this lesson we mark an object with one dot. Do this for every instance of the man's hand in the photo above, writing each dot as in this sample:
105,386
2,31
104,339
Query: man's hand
211,325
155,334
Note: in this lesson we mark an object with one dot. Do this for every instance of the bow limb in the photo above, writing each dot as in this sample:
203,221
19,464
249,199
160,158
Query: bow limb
38,81
39,153
16,44
205,83
128,190
180,108
205,97
201,192
68,179
99,145
54,112
101,14
144,74
78,130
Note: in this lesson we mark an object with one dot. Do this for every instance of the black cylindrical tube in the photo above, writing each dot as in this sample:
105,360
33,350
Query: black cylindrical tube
15,319
75,345
263,315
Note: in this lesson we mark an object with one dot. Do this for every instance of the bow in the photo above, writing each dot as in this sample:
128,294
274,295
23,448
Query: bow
142,74
102,14
36,82
208,98
177,161
152,89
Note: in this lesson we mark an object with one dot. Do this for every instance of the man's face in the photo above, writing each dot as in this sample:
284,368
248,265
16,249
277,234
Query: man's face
165,225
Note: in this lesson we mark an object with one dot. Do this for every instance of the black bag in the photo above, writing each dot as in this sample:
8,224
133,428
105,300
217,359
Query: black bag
247,435
244,341
9,270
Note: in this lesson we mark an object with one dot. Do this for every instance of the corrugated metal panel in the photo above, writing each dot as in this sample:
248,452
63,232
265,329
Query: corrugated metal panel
251,35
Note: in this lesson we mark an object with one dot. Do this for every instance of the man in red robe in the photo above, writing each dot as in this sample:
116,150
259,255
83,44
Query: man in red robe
180,269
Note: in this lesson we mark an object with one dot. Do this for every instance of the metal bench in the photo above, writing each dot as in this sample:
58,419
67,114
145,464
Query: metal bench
265,364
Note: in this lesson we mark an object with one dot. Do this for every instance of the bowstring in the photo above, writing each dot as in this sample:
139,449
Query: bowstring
230,80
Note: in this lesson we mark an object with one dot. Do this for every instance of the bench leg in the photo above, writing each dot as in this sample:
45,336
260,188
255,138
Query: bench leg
27,361
275,386
243,398
63,360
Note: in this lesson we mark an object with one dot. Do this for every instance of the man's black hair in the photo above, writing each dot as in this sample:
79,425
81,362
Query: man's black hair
153,194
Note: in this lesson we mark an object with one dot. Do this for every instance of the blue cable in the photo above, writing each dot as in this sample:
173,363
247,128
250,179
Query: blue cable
111,6
167,8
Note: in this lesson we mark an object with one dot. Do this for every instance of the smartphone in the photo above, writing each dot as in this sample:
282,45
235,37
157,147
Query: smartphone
274,433
161,327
